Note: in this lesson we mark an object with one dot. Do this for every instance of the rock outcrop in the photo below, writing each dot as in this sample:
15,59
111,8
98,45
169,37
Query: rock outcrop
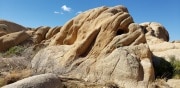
156,33
10,27
100,45
40,34
10,31
157,38
120,66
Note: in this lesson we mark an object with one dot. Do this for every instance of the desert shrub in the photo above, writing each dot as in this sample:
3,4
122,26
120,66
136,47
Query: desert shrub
162,68
14,76
176,67
165,69
2,82
160,83
16,50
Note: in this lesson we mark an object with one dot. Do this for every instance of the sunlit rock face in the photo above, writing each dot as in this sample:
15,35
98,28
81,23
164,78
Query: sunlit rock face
156,33
99,45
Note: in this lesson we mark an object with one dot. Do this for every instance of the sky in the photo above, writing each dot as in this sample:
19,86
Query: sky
35,13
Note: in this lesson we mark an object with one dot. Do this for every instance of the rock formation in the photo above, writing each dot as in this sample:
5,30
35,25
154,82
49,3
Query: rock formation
40,34
156,33
10,27
157,38
101,45
16,34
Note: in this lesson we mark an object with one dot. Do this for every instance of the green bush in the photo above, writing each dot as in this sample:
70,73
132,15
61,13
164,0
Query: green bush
165,69
162,68
16,50
176,67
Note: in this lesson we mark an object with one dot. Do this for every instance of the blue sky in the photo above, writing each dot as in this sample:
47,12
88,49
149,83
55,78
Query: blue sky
35,13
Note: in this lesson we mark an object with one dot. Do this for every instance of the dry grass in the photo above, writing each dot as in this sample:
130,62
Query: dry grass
176,67
14,76
160,83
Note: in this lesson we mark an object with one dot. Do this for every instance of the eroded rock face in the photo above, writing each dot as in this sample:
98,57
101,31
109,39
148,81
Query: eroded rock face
91,31
52,32
156,33
131,63
157,38
40,34
99,45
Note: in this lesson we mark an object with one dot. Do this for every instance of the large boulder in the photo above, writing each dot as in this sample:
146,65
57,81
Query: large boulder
156,33
122,65
40,34
99,45
12,39
39,81
86,32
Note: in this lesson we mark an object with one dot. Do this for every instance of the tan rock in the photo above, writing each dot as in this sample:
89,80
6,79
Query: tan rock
156,33
125,66
52,32
2,33
166,50
12,39
87,32
3,29
10,27
40,34
99,45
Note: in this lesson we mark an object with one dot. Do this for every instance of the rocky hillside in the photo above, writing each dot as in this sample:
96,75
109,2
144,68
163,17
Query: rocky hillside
101,47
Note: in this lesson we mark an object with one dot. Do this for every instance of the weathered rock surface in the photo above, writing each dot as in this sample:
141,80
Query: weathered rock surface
101,45
39,81
13,63
157,38
156,33
12,39
40,34
166,50
121,66
92,48
52,32
10,27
